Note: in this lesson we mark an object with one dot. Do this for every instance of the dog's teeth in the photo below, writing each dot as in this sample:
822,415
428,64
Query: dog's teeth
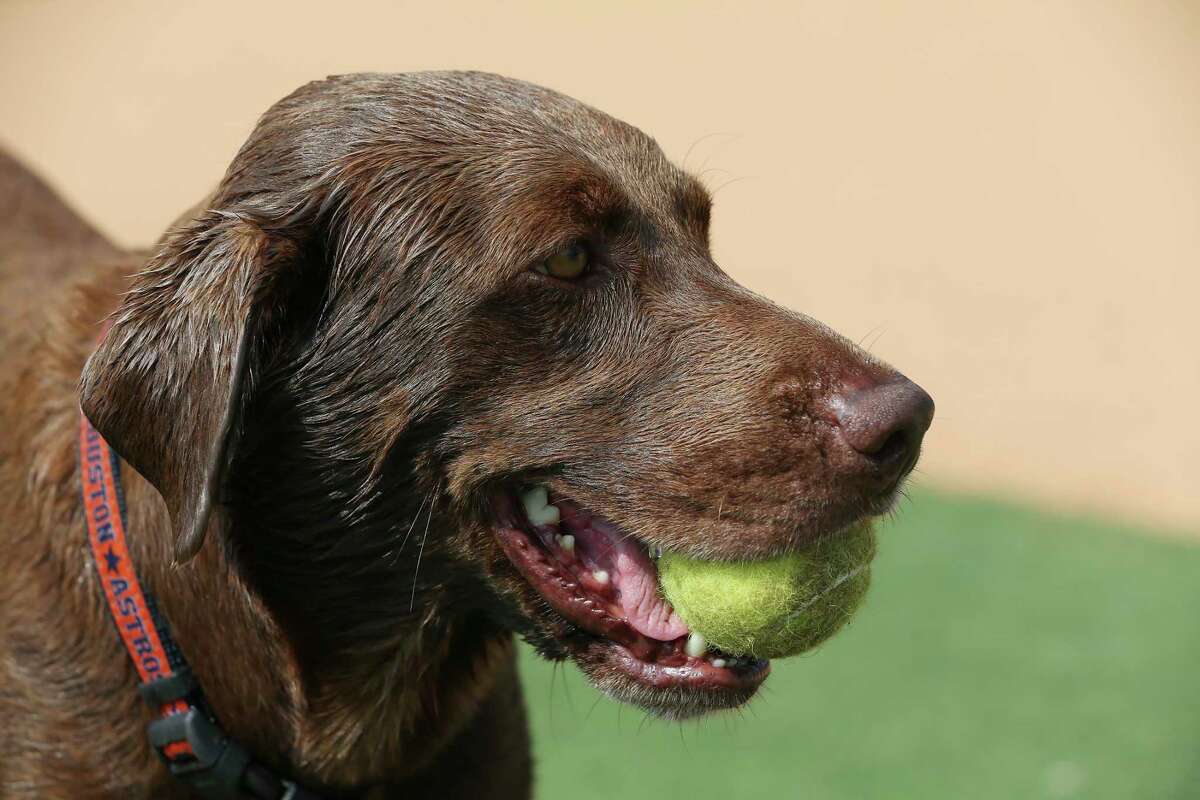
537,507
718,662
601,576
695,645
535,498
567,542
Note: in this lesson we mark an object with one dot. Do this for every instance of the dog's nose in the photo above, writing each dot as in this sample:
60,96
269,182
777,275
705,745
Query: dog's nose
885,423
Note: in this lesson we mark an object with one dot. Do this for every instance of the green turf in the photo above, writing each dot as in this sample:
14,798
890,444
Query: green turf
1001,653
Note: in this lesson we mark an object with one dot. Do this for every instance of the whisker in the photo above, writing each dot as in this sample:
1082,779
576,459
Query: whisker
413,598
411,525
588,716
566,684
730,182
868,334
553,673
882,330
703,138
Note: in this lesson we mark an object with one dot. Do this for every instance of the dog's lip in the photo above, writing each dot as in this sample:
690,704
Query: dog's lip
696,673
598,636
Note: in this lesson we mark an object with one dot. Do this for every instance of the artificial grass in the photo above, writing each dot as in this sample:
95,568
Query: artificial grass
1001,653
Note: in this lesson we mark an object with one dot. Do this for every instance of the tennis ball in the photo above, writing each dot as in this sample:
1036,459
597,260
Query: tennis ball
775,607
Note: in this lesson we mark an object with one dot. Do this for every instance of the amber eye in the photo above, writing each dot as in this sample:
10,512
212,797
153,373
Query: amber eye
567,264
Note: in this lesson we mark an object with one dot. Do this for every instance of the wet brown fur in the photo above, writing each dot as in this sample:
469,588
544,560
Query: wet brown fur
345,605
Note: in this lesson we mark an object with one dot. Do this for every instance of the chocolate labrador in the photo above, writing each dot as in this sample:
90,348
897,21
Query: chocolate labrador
420,314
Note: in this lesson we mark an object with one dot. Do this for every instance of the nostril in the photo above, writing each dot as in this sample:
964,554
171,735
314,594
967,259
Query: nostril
891,447
885,422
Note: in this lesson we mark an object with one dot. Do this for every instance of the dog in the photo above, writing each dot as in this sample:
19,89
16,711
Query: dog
414,302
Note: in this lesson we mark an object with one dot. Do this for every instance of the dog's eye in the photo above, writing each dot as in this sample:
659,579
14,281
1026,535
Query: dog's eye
567,264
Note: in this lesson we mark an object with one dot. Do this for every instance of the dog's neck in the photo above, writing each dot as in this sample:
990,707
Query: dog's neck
350,556
320,644
364,679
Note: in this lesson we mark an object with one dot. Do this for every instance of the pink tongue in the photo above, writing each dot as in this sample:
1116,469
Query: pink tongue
601,545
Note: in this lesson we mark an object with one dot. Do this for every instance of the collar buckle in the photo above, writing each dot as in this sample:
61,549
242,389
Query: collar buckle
215,765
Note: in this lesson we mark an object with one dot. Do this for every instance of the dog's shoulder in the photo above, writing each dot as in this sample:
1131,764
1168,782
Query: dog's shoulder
45,248
35,222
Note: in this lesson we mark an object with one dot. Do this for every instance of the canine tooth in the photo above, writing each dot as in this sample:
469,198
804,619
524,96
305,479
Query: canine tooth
549,516
537,507
601,576
695,645
567,542
534,498
718,662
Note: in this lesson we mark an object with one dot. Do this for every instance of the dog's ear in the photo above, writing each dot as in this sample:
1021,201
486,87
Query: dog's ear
166,384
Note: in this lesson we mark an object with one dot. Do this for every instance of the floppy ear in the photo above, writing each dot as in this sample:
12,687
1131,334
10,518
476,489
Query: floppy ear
166,384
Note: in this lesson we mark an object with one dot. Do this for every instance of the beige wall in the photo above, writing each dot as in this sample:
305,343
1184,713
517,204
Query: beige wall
1002,198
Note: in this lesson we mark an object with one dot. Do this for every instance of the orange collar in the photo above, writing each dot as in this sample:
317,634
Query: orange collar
186,735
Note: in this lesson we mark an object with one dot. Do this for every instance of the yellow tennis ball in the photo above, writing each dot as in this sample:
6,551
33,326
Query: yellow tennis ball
775,607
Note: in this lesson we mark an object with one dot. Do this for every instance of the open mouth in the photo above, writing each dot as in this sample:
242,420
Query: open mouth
604,582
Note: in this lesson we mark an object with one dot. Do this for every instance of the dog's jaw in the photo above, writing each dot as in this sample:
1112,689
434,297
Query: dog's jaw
607,613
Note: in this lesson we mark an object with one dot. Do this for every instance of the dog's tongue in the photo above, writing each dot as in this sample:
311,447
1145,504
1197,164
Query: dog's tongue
602,546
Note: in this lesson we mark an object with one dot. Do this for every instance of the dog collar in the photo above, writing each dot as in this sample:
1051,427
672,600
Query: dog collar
187,735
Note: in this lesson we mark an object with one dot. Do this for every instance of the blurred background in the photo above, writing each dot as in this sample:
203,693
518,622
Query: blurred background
1002,199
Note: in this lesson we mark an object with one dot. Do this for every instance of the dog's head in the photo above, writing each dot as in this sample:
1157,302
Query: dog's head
456,342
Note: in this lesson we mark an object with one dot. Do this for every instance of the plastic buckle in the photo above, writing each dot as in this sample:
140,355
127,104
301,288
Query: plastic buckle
217,764
294,792
176,686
